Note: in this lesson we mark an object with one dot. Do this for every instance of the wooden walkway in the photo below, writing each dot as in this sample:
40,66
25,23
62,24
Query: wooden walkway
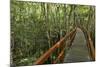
78,51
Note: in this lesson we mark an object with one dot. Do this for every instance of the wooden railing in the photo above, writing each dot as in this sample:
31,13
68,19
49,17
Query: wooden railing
90,46
61,45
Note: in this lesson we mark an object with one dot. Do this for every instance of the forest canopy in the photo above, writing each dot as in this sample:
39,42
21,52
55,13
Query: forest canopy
35,27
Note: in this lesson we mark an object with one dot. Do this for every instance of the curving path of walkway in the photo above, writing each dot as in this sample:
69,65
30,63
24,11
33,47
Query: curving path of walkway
78,51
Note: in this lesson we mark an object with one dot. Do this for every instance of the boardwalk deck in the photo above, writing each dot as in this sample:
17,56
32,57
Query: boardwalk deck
78,51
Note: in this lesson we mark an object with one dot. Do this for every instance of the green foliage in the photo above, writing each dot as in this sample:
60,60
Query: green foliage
35,27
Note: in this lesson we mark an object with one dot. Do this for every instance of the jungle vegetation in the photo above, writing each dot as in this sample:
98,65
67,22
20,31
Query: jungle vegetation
35,27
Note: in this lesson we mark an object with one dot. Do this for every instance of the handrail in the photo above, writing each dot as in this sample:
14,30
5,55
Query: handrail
90,46
61,55
47,54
